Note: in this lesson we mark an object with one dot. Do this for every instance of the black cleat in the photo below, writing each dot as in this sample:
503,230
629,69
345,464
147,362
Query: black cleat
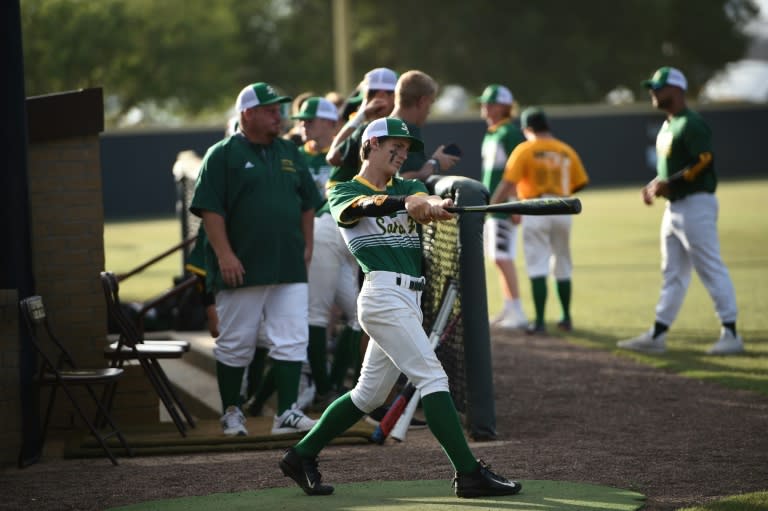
304,472
483,483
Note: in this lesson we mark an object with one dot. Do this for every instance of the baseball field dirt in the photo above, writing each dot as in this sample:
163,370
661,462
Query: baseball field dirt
564,412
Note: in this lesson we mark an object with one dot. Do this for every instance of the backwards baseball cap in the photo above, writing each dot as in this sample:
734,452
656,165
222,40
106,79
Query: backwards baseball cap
533,117
317,108
381,78
392,127
496,94
258,94
666,76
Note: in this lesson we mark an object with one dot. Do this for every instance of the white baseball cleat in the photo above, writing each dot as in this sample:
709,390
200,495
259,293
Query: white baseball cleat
645,343
727,344
233,422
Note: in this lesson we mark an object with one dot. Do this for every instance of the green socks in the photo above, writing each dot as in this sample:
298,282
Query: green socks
255,372
230,381
341,415
539,290
287,376
564,293
347,355
443,421
316,352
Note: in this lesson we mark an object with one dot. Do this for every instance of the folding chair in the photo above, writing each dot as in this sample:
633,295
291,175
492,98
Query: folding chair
130,346
59,370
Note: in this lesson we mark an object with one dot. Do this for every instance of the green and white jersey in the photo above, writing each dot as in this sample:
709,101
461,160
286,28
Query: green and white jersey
385,243
261,191
498,143
679,143
318,167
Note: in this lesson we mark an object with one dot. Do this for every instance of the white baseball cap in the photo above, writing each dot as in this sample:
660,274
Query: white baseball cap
496,94
666,76
381,78
258,94
392,127
317,108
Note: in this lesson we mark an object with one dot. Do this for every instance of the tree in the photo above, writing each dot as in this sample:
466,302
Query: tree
192,56
138,51
552,51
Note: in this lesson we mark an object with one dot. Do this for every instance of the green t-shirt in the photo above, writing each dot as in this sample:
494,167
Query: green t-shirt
350,156
320,171
679,143
261,191
388,243
318,166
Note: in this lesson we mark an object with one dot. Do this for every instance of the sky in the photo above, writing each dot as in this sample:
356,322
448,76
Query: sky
746,79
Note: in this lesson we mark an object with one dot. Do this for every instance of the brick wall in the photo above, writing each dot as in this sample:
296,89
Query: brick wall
67,245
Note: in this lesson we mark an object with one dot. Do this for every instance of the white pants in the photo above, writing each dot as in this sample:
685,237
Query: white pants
689,240
547,246
332,275
500,239
280,311
391,315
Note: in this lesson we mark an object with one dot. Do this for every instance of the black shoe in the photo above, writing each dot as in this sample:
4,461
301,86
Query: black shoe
565,325
483,483
417,424
534,329
304,472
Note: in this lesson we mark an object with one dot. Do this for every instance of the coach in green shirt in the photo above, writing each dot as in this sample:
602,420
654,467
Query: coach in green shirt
257,201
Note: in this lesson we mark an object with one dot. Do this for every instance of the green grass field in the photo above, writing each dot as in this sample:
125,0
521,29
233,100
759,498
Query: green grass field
617,279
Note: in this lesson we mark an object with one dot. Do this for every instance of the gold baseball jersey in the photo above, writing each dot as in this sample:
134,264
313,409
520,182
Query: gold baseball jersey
545,166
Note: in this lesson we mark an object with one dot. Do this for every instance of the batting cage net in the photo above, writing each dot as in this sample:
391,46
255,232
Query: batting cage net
453,250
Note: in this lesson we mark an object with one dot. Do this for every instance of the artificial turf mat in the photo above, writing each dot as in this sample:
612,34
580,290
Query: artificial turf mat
164,439
409,496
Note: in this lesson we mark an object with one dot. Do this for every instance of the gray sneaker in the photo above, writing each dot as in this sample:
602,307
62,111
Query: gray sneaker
727,344
233,422
292,420
645,343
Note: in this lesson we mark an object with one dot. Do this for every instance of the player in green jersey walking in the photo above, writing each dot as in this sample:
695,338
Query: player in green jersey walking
500,234
378,215
257,201
686,178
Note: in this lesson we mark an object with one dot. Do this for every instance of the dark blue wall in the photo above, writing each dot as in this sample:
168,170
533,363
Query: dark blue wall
617,146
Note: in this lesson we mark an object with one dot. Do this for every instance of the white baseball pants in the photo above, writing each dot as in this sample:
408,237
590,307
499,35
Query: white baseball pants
689,239
332,275
391,315
280,310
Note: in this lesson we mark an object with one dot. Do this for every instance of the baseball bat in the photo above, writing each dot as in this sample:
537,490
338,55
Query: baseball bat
541,206
400,430
397,407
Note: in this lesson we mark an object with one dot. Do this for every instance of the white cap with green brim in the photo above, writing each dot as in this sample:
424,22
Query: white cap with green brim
317,108
666,76
394,128
258,94
496,94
